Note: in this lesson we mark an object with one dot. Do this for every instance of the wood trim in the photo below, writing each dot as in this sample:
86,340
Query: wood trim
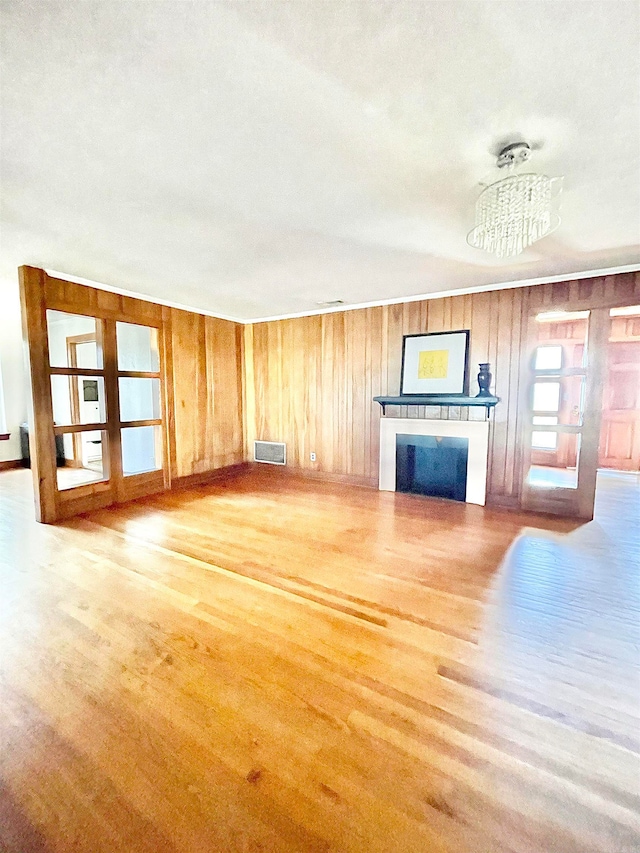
8,464
570,429
73,298
112,393
72,358
219,474
553,374
503,502
73,428
90,372
141,423
86,338
75,493
87,502
42,446
597,339
140,374
166,363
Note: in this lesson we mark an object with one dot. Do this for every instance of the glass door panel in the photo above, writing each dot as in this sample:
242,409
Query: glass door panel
137,348
141,450
139,398
77,400
82,459
139,392
67,331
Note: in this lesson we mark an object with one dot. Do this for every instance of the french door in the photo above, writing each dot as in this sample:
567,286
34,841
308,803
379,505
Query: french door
563,381
97,421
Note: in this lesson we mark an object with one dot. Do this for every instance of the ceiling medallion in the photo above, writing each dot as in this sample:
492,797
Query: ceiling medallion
515,211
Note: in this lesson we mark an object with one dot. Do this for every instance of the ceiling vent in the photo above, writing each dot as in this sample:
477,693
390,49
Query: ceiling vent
272,452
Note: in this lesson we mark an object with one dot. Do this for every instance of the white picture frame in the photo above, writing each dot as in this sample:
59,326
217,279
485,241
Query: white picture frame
435,363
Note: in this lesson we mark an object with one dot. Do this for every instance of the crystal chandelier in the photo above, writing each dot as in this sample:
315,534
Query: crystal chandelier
514,212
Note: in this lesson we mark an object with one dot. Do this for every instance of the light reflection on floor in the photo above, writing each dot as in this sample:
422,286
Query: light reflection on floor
562,627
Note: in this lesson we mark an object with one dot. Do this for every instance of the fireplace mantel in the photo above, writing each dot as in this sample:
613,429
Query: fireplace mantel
437,400
477,433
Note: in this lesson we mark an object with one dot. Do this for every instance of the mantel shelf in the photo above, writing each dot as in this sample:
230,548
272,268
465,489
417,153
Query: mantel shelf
436,400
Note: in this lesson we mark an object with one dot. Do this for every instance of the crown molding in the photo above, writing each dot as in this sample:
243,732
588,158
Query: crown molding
460,291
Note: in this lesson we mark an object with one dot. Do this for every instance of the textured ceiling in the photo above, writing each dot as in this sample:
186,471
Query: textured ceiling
253,159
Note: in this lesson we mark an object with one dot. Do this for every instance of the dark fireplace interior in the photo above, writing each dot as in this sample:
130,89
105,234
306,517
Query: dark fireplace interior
432,465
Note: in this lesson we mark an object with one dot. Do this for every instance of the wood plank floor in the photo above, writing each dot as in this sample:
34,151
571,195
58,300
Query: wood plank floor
277,665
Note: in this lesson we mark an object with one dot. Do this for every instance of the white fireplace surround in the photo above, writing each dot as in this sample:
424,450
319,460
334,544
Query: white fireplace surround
477,432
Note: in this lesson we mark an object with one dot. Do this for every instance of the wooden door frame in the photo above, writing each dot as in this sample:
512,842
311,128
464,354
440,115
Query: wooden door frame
578,502
39,293
72,357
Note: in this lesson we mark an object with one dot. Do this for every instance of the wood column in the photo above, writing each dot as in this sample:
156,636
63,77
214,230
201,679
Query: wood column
42,444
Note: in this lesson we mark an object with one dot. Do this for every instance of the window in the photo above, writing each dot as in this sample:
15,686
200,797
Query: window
548,358
546,397
544,440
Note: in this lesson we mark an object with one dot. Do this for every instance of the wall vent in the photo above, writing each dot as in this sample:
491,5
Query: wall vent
273,452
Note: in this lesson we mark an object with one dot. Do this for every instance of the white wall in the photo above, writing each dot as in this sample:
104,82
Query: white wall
14,376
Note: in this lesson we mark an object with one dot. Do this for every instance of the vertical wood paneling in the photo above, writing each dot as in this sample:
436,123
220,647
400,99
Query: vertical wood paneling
207,393
324,371
248,390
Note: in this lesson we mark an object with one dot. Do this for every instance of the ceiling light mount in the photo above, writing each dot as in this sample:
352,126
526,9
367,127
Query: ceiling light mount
513,155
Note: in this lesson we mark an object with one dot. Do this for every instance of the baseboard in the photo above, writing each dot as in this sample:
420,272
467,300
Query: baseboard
503,502
207,477
323,476
10,463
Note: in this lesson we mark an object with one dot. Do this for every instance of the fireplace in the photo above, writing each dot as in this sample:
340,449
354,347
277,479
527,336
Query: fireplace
432,465
456,470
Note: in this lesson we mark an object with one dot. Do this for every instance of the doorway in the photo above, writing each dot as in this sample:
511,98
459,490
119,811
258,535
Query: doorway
583,407
618,481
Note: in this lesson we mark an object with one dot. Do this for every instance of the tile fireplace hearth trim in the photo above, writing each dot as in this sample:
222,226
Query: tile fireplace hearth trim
477,432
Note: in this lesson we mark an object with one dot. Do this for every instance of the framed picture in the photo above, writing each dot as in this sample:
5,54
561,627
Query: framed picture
435,363
90,390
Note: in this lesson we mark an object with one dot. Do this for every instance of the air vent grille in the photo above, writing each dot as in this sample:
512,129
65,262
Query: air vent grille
273,452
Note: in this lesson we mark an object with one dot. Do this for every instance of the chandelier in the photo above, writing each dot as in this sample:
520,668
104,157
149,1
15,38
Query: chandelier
516,211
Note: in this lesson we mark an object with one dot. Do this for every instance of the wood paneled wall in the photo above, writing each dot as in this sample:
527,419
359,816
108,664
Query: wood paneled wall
204,359
310,381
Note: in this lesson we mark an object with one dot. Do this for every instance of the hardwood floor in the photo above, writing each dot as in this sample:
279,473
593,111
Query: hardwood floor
282,666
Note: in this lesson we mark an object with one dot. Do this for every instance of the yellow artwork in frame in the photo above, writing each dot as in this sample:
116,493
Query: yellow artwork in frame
433,364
